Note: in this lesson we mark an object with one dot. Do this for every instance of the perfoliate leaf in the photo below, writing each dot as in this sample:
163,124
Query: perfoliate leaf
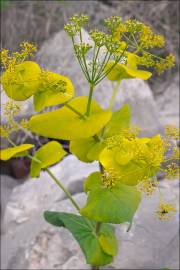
48,154
95,151
93,181
115,204
120,120
23,81
134,159
55,90
98,249
86,150
16,151
81,147
66,124
121,71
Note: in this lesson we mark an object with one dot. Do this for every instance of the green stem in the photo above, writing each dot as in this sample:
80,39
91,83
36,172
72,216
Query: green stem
89,100
11,142
95,268
98,226
63,188
113,97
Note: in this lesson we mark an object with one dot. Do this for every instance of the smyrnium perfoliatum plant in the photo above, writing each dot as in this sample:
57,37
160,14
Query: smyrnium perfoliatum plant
128,163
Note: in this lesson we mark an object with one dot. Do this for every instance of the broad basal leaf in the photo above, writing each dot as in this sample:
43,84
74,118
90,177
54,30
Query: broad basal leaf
115,204
97,248
48,154
15,151
54,89
66,124
23,81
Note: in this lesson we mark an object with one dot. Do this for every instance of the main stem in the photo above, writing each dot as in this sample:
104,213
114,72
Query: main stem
90,99
63,188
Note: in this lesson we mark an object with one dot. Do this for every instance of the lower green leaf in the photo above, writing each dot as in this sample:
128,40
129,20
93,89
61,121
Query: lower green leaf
116,204
97,248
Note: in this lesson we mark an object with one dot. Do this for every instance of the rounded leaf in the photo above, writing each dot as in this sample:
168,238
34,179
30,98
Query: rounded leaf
57,89
110,205
68,125
23,81
16,151
47,155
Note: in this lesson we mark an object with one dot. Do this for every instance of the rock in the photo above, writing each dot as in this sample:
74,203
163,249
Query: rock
57,55
7,185
37,245
168,103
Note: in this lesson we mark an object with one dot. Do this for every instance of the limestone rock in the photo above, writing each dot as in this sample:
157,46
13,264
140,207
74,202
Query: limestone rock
168,103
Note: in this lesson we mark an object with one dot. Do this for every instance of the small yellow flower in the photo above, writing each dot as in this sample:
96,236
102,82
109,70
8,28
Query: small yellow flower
172,132
172,171
109,178
165,211
147,186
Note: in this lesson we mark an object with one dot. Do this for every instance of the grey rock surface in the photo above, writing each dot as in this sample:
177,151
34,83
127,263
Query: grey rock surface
151,244
57,55
7,185
168,103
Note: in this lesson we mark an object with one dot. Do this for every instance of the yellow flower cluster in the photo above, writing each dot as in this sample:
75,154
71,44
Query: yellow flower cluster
9,60
148,39
109,178
165,211
147,186
11,108
27,50
164,64
4,131
172,132
50,81
113,141
172,171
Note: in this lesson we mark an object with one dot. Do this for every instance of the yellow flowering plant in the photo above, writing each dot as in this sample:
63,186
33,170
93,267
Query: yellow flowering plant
128,163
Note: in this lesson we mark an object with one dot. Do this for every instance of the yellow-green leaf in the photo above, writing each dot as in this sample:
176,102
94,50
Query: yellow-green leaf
47,155
56,90
119,121
115,204
81,147
96,149
66,124
23,81
121,71
15,151
108,243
